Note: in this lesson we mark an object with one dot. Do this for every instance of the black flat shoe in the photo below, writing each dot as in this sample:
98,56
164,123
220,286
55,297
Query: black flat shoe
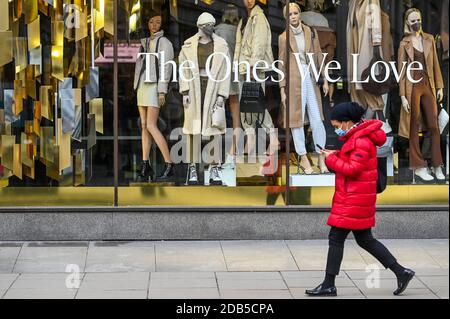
319,291
403,281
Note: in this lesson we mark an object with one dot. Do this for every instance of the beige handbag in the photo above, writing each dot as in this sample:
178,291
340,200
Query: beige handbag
218,120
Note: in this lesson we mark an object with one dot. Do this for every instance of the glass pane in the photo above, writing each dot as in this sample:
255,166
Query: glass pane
56,103
339,29
190,123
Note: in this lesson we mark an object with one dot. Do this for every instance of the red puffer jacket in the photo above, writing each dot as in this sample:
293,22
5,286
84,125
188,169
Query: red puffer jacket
355,165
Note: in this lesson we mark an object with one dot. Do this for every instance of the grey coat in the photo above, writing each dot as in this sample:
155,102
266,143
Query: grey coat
164,46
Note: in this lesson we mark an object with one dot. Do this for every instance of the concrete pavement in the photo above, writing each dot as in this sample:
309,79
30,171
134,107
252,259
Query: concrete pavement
212,269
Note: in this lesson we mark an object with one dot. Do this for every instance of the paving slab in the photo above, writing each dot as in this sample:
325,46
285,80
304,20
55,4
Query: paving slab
312,255
120,259
50,259
261,255
115,281
8,257
39,294
6,281
189,256
112,294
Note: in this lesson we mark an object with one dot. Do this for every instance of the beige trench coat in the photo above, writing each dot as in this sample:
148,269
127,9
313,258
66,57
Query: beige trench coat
312,45
369,30
433,69
256,43
196,122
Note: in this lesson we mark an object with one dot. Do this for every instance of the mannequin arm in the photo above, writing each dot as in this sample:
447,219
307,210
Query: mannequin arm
438,80
405,104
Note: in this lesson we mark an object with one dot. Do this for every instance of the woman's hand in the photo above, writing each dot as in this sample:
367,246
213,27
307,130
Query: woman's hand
161,99
327,153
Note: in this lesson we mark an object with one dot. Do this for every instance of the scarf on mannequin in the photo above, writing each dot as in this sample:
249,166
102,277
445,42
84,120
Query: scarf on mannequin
297,30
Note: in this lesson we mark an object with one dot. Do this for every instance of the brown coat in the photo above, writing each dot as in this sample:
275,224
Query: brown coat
312,45
433,69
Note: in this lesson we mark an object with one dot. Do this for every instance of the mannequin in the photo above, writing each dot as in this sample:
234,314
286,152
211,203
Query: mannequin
364,37
304,94
254,43
151,97
327,36
419,100
202,96
227,29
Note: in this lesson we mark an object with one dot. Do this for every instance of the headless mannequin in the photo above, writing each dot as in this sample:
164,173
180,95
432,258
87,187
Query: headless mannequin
295,21
414,19
205,37
313,6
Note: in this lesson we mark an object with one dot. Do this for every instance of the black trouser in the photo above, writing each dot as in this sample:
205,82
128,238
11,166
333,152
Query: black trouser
364,239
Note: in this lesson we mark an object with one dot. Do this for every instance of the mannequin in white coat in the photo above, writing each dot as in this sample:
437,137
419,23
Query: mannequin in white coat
205,23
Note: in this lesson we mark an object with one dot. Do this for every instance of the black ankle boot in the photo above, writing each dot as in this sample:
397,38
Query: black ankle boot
145,173
403,280
168,172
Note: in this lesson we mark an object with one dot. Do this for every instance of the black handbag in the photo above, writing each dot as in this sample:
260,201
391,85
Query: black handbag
374,87
253,99
382,174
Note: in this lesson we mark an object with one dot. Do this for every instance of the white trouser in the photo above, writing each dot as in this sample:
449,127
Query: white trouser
310,105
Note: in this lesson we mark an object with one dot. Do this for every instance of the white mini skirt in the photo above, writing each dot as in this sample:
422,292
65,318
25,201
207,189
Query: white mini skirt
147,94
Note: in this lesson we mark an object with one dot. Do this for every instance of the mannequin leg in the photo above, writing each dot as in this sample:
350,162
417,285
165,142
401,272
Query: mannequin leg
235,114
146,137
415,154
429,107
317,127
152,128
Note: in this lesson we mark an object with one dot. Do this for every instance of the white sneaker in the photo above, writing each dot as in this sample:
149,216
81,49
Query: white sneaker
437,171
230,162
423,174
214,177
192,175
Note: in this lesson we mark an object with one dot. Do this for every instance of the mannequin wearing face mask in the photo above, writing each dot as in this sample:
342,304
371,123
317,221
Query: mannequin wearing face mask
419,99
202,95
304,93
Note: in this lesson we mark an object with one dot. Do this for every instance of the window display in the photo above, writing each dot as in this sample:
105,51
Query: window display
225,100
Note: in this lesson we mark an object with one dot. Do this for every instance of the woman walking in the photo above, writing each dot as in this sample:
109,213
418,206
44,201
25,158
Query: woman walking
354,201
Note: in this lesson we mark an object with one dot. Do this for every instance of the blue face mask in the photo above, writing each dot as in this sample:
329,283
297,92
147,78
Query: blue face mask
340,131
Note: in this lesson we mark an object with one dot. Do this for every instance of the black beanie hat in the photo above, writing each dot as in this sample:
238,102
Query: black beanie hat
349,111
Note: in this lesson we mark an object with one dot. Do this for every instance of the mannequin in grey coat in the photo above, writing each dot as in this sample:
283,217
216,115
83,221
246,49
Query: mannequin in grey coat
151,95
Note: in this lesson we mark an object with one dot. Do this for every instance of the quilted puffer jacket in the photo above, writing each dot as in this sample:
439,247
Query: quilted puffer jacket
355,165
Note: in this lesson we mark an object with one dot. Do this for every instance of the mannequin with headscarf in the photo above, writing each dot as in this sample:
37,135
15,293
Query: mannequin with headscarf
204,93
419,108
